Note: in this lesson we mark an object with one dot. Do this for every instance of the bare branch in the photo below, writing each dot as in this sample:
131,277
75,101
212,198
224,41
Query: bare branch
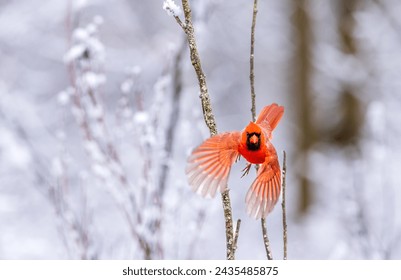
236,235
180,23
196,63
207,114
253,110
228,216
252,57
283,205
266,240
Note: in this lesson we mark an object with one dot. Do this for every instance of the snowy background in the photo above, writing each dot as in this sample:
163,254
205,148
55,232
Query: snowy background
99,109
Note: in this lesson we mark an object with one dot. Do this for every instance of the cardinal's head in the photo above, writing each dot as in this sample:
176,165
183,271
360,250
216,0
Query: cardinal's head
252,136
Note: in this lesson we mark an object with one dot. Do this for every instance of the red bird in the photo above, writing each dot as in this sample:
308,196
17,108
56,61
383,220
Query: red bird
210,163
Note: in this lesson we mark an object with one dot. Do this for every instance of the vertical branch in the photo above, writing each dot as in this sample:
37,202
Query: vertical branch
350,109
304,100
236,236
283,205
188,28
229,224
253,110
196,63
251,61
266,241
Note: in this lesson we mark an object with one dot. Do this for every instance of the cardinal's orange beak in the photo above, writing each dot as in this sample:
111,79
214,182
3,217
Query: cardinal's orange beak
254,139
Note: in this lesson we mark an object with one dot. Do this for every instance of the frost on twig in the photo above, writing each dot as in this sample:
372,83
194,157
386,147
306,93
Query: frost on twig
75,227
171,8
130,152
85,61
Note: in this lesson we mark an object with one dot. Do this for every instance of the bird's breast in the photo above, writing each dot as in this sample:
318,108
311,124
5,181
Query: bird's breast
254,157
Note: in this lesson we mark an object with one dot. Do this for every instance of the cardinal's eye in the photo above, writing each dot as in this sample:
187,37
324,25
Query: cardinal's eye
252,134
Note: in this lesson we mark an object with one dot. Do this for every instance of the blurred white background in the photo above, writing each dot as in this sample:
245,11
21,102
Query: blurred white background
99,109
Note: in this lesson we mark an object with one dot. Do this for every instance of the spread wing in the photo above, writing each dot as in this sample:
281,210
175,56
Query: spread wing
269,117
209,164
265,190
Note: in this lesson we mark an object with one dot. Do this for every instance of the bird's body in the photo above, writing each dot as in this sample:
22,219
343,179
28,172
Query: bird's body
252,146
210,163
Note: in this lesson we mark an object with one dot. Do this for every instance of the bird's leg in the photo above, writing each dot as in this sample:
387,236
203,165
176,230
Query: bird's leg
246,169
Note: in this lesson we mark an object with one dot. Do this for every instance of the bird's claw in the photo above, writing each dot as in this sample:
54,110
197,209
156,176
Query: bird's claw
246,169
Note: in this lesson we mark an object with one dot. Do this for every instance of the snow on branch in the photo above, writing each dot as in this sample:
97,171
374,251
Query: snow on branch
171,8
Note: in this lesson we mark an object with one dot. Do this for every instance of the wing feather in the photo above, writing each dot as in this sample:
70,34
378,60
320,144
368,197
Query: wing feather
210,163
264,192
269,118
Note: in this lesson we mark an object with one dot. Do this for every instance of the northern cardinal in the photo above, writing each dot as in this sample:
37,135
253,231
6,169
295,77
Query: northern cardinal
210,163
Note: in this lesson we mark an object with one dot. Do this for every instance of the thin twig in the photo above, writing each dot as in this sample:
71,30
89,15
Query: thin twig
110,152
236,235
180,23
196,63
252,57
253,110
228,217
283,205
266,240
207,114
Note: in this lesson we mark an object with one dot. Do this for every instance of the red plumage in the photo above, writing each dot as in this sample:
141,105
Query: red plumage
210,163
